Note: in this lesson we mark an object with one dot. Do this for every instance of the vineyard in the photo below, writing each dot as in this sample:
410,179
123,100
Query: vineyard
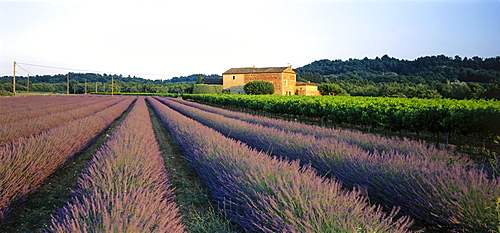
260,174
462,117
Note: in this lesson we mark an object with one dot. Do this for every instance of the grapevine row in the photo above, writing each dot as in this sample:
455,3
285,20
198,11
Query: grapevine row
463,117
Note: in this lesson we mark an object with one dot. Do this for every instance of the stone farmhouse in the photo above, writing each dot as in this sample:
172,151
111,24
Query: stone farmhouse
308,88
283,79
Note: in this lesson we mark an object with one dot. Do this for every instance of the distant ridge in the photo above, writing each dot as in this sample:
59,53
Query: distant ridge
438,68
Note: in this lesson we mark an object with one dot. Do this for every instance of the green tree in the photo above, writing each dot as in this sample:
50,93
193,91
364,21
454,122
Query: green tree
493,90
199,79
476,90
331,89
73,87
259,88
149,88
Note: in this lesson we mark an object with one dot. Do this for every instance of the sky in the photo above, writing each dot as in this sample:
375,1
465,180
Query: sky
165,39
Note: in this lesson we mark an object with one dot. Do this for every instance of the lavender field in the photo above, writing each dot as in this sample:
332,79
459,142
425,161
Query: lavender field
258,174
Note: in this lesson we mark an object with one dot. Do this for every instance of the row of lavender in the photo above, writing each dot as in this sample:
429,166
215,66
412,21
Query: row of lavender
445,196
125,188
15,105
368,142
47,120
265,194
25,163
29,107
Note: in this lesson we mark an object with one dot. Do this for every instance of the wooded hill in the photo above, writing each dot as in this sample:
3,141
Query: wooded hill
426,77
422,70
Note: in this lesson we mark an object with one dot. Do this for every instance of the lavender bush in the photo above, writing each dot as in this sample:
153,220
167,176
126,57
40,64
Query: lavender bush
27,162
445,196
24,128
264,194
126,188
36,106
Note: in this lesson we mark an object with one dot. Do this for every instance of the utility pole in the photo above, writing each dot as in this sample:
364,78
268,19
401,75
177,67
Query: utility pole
95,86
28,85
112,85
14,80
67,85
85,86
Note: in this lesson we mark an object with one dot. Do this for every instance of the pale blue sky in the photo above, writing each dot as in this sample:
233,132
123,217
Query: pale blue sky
163,39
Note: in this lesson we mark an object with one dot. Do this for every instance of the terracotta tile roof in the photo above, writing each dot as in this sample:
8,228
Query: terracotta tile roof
250,70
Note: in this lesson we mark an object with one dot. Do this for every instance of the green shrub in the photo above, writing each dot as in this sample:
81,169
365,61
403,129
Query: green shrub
5,93
259,88
207,89
331,89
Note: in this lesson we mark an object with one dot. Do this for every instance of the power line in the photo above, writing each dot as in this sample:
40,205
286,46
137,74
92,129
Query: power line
93,71
60,68
23,69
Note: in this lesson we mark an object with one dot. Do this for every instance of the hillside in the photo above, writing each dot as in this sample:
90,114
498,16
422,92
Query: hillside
424,69
425,77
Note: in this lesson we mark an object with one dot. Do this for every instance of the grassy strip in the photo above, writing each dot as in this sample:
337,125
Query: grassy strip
269,195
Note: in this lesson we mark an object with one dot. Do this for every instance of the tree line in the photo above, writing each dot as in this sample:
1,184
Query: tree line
80,83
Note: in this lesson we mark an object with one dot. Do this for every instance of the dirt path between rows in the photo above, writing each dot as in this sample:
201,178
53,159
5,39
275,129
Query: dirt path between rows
35,212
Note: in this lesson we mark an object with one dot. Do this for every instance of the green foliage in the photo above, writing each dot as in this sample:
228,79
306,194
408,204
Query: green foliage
207,89
498,212
393,89
425,77
199,79
432,68
493,90
5,93
464,117
102,83
331,89
259,88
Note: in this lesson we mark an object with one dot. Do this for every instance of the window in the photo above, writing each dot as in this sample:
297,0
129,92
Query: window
234,77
